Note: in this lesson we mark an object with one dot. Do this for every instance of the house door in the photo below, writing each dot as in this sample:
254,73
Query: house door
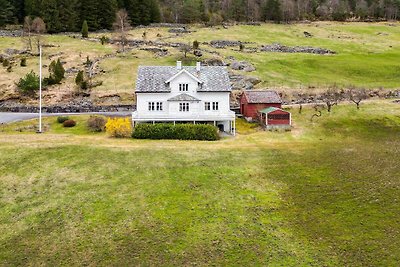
242,110
221,127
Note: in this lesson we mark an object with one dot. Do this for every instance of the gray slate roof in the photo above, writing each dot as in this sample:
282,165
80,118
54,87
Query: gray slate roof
152,79
262,96
183,97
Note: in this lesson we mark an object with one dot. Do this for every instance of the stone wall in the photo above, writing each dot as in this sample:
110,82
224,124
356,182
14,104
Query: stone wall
75,107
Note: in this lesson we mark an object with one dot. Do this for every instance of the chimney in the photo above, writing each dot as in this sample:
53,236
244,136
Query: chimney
179,65
198,66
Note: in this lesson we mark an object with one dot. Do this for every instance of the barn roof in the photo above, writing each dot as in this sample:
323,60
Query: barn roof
262,97
152,79
271,109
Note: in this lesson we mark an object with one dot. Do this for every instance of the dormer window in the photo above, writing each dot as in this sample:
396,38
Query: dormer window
183,87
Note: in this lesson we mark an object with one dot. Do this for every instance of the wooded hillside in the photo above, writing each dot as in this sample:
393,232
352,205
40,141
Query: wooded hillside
68,15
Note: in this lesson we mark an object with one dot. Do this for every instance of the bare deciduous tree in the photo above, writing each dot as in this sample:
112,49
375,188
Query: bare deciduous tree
357,95
185,48
331,98
318,111
39,28
27,33
121,26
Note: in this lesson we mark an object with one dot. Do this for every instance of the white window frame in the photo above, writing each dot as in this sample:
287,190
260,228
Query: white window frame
151,106
207,106
159,106
183,87
184,107
215,106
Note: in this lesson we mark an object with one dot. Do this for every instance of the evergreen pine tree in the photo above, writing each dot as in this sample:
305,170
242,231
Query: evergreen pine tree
85,29
19,11
6,12
237,11
69,15
51,16
79,78
106,10
272,11
33,8
202,10
59,71
51,79
155,14
89,12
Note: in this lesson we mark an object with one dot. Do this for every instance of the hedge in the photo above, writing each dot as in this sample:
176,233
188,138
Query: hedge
179,131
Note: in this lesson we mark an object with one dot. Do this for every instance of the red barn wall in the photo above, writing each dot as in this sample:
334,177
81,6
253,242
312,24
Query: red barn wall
279,122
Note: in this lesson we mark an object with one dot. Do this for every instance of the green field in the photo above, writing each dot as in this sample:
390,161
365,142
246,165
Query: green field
325,194
368,55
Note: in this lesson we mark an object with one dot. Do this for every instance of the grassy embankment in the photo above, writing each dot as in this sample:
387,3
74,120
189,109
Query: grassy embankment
326,194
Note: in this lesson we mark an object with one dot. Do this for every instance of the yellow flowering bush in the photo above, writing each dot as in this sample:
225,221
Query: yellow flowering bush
119,127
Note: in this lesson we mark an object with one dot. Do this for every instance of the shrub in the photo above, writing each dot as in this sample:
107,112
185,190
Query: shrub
196,44
96,123
88,61
119,127
85,29
62,119
6,62
79,79
104,40
56,73
23,62
29,83
84,85
180,131
69,123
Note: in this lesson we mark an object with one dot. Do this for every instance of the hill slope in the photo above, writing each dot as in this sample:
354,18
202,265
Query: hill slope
367,55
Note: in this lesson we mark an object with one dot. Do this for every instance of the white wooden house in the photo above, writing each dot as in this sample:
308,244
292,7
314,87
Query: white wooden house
180,94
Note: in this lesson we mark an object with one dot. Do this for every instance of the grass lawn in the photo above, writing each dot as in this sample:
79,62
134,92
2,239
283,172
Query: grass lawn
325,194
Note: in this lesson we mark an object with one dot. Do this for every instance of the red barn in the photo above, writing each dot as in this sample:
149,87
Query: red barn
251,102
275,118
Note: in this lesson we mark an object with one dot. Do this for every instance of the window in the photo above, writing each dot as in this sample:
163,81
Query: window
279,117
215,105
184,107
155,106
151,106
207,106
183,87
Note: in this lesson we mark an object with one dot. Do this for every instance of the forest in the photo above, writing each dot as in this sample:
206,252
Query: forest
68,15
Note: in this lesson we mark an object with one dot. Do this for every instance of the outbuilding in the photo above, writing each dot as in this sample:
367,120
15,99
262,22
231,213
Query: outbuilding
275,118
253,101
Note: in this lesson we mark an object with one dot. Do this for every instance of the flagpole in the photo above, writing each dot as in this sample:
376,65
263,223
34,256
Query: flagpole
40,89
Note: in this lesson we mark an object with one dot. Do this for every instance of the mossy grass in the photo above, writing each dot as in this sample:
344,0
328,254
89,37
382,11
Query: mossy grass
324,194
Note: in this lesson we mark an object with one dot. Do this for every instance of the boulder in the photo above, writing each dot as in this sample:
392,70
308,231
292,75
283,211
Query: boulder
178,30
242,65
213,62
253,80
249,68
198,53
307,34
224,43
